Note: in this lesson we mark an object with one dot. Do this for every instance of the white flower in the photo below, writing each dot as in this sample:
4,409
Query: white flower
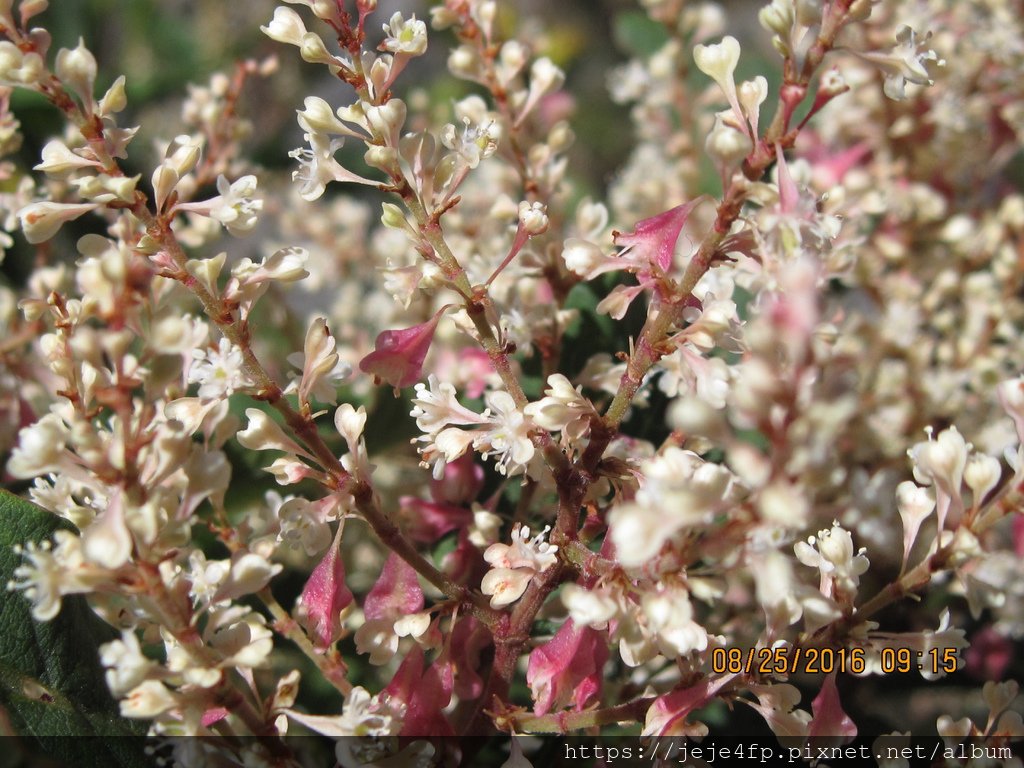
377,638
205,577
19,68
148,700
832,553
286,27
219,373
363,715
589,607
40,221
670,618
533,218
942,460
317,166
680,490
563,409
249,573
49,572
582,257
285,265
719,61
318,117
436,407
40,448
514,566
58,158
405,37
301,526
508,435
235,207
126,665
474,143
907,63
77,67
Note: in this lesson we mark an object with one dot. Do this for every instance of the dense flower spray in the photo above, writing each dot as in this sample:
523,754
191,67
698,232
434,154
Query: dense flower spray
513,450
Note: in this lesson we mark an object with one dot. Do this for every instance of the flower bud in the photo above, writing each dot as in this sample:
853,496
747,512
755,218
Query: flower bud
77,68
533,218
727,145
393,218
381,158
285,27
981,475
318,117
719,61
778,17
114,100
313,50
40,221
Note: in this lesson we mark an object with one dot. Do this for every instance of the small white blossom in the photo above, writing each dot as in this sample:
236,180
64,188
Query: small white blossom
507,436
219,373
670,618
907,63
533,218
363,715
408,37
148,700
126,665
49,571
832,553
514,565
40,221
562,409
235,207
474,143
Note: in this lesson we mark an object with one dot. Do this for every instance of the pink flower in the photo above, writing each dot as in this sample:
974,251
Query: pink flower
325,596
830,725
567,667
398,356
427,521
468,639
397,592
461,482
667,716
653,240
424,693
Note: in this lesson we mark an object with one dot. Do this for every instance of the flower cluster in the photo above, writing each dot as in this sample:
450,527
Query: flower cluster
760,385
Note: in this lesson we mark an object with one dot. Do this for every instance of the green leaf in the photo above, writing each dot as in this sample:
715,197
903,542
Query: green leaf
52,689
638,34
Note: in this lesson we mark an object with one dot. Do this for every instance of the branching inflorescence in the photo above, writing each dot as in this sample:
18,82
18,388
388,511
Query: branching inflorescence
745,470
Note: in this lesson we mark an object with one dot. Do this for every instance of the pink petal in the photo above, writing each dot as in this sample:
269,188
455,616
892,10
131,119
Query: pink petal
464,563
462,480
396,593
667,716
427,521
830,724
468,640
425,693
788,193
214,715
325,596
567,667
654,239
398,356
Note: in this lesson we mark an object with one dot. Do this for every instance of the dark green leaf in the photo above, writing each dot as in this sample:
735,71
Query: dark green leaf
52,690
